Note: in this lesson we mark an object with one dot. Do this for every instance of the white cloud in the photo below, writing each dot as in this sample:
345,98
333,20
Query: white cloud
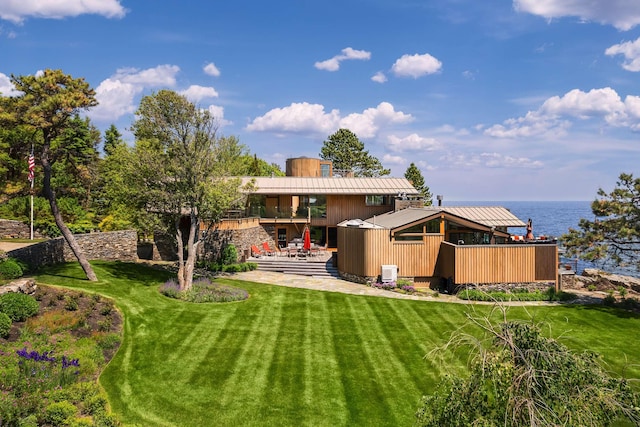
395,160
18,10
196,93
367,123
416,65
312,118
622,14
413,142
297,118
211,70
6,87
379,77
117,93
218,114
496,160
556,114
333,64
631,53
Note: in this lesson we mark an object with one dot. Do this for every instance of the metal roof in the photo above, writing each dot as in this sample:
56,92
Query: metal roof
489,216
331,185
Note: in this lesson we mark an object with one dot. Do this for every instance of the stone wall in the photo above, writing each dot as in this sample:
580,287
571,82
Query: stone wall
242,239
10,229
110,246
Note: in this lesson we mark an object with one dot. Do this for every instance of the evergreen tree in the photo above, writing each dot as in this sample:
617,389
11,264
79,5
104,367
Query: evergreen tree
347,153
414,175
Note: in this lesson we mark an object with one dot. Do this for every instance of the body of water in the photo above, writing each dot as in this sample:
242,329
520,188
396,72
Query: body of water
551,219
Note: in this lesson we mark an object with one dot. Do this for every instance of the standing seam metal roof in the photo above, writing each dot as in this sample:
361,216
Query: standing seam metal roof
331,185
490,216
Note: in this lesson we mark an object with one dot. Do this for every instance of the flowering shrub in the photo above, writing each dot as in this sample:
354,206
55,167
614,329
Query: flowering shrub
40,370
203,290
401,284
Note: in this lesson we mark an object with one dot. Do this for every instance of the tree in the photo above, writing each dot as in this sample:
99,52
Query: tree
414,176
521,378
254,166
614,234
45,106
175,170
347,153
112,139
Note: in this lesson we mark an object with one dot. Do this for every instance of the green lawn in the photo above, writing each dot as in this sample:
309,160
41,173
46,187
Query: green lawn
298,357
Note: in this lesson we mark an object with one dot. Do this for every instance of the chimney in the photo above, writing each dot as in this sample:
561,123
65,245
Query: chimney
439,197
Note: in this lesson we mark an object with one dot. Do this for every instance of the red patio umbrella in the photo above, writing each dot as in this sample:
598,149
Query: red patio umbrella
306,239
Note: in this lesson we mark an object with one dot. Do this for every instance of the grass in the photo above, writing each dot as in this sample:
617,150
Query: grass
299,357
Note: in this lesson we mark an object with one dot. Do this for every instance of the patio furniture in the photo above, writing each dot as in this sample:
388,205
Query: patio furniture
256,252
267,250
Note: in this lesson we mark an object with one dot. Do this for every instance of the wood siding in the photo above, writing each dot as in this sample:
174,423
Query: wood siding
341,208
362,252
498,263
234,224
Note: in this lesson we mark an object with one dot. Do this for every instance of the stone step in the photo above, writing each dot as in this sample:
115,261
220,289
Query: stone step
297,266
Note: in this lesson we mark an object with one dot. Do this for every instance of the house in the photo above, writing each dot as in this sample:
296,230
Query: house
315,195
457,245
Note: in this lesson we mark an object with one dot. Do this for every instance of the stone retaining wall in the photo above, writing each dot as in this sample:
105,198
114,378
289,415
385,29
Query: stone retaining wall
10,229
110,246
242,239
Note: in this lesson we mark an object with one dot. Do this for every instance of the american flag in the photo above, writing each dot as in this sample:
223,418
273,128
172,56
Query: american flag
32,167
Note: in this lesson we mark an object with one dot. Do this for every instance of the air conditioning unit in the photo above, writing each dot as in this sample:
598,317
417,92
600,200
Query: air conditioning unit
389,273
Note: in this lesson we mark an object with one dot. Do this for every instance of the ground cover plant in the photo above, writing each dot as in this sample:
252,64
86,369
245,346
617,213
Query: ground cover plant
203,290
56,344
290,356
515,295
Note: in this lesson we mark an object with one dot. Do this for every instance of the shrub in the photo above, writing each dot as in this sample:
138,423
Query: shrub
70,303
519,377
387,286
609,300
515,295
18,306
229,255
205,291
170,288
58,413
591,287
10,269
5,325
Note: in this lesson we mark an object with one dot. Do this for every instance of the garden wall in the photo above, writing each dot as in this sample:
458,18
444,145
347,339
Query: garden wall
242,239
110,246
10,229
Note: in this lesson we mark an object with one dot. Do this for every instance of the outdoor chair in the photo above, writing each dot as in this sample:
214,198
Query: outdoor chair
256,252
267,250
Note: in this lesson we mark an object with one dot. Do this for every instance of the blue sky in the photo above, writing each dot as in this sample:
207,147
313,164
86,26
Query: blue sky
493,100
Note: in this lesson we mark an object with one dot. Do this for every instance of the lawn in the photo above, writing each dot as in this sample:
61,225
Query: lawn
299,357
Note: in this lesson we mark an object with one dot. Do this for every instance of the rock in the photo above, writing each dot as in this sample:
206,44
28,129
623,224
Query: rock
25,286
616,280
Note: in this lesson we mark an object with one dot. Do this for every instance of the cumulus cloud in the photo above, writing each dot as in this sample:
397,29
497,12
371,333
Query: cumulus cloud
211,70
116,94
416,65
6,87
312,118
218,114
489,160
196,93
379,77
631,53
556,114
413,142
394,160
18,11
297,118
622,14
333,64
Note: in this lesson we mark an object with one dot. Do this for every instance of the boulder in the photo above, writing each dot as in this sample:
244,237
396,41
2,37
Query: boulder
25,286
616,280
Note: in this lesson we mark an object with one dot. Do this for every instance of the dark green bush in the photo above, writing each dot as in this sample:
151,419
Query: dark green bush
58,413
229,255
5,325
10,269
18,306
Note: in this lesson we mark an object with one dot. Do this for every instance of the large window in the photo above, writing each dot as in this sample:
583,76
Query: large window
416,232
317,204
378,200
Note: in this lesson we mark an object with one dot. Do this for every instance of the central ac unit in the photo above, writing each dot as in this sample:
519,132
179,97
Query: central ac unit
389,273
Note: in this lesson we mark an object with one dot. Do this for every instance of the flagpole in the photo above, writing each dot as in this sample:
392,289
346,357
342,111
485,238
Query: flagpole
32,179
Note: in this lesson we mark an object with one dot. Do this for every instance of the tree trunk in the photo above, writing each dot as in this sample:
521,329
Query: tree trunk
66,233
180,244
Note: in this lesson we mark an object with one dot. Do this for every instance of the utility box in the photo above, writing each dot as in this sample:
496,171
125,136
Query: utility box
389,273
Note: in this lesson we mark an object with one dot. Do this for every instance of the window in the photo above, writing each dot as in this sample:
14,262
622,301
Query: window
378,200
316,203
325,170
